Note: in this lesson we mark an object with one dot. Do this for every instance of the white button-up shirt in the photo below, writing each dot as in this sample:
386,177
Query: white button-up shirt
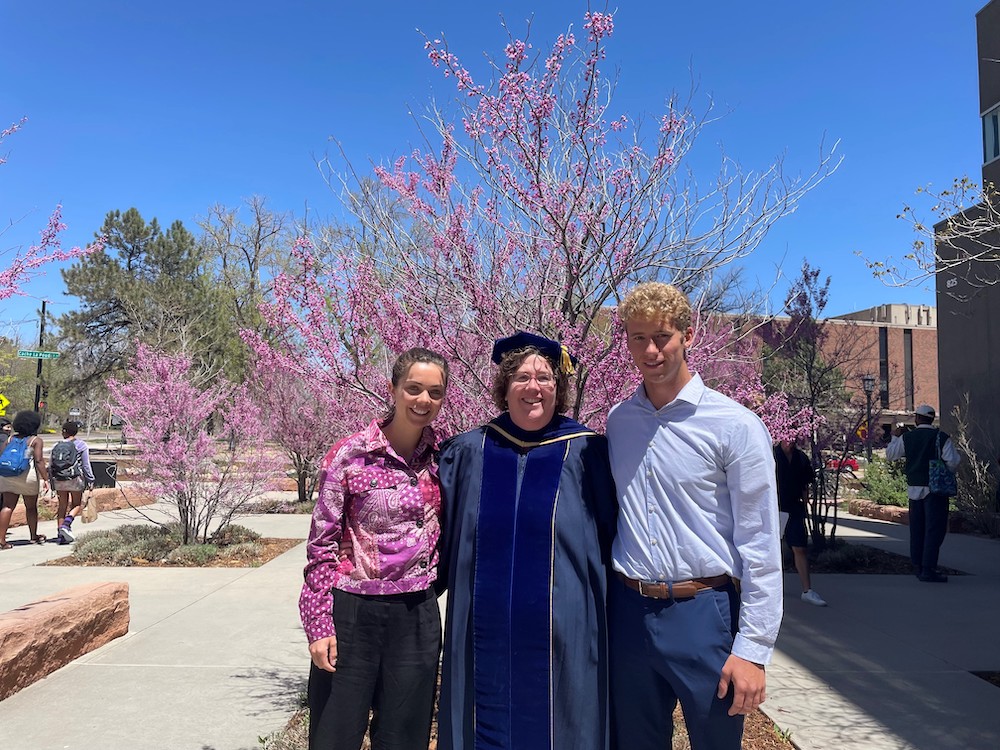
698,498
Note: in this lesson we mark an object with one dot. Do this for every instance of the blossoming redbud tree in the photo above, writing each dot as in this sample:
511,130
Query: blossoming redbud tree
208,479
24,266
302,418
542,206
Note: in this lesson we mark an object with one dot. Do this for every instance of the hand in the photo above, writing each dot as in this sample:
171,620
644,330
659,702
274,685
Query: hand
748,684
324,653
897,431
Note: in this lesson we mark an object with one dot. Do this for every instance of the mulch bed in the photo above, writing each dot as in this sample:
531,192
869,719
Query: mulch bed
759,733
271,549
872,561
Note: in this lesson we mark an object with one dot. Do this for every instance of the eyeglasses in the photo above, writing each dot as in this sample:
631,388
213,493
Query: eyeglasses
522,379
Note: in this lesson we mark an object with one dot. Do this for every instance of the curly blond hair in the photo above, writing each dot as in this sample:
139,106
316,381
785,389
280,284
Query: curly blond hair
656,300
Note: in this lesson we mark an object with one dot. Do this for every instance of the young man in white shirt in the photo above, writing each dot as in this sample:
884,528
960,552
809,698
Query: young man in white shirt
696,599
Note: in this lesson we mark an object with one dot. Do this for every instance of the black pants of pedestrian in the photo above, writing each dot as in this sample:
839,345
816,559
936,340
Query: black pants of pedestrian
388,648
928,526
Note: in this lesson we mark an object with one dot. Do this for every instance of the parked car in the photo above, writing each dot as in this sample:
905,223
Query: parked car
843,464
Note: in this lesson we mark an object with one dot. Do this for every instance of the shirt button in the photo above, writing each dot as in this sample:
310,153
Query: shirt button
423,563
420,523
413,481
652,508
649,473
653,542
373,483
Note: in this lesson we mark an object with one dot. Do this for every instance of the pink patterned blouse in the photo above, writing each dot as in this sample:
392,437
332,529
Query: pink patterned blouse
376,526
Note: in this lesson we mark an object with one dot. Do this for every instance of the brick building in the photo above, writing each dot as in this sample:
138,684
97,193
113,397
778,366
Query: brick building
899,346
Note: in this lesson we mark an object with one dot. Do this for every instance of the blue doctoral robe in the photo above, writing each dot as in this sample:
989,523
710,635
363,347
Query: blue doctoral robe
528,519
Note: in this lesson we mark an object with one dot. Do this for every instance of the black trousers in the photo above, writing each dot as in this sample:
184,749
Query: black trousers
928,526
388,649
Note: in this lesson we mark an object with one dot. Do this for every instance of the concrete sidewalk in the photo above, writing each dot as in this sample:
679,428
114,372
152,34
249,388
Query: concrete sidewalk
215,657
888,663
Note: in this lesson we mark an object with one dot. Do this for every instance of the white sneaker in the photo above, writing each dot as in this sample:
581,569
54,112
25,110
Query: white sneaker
67,536
811,597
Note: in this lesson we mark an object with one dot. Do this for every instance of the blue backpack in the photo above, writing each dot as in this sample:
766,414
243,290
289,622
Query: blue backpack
14,460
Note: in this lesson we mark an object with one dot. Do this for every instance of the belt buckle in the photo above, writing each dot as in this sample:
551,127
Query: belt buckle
641,592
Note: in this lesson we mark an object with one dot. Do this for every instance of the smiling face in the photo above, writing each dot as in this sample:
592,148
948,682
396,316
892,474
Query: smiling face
657,349
419,394
531,393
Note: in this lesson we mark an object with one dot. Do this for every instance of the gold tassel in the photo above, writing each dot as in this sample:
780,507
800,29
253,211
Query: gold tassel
566,365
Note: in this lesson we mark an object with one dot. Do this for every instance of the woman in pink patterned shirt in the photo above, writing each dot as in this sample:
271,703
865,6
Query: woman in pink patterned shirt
368,605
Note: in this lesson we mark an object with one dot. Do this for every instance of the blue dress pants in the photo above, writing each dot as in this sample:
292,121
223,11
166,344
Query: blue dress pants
663,651
928,526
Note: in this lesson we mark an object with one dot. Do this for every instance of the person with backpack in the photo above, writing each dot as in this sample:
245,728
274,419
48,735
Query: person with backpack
21,468
928,521
71,474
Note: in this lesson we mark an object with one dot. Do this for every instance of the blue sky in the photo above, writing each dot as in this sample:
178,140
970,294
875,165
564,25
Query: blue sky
174,107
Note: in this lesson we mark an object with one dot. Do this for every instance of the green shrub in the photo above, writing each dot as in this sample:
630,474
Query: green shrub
193,554
241,551
140,532
96,547
124,545
231,534
885,482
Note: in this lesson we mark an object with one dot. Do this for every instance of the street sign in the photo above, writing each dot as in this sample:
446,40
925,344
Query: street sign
34,354
4,403
74,412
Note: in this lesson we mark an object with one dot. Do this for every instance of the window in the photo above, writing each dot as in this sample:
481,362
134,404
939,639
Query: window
883,366
991,135
908,368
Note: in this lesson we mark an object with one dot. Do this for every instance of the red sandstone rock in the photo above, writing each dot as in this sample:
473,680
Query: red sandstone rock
43,636
109,498
868,509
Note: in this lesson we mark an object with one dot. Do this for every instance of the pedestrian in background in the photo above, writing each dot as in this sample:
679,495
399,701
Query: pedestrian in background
928,510
26,483
795,476
71,473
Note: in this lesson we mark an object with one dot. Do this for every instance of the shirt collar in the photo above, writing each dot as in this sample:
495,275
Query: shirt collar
375,441
691,393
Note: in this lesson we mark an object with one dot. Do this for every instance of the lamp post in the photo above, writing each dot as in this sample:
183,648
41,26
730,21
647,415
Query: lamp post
868,383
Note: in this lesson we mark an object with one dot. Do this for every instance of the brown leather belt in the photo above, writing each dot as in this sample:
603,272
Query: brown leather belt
677,589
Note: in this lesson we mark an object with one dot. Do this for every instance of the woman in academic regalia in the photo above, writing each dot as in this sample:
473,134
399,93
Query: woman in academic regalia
529,513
